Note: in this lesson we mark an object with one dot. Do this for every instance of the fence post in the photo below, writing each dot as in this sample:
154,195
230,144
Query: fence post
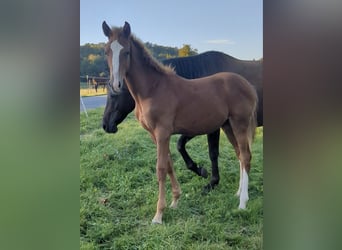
84,108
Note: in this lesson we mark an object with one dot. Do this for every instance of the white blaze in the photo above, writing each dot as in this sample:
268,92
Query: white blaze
116,47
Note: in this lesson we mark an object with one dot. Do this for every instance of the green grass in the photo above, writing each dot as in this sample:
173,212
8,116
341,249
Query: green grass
120,169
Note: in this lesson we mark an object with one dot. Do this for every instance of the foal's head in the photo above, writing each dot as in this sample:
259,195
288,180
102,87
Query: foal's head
117,50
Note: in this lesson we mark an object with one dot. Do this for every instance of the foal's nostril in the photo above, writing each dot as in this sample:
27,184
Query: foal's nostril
104,127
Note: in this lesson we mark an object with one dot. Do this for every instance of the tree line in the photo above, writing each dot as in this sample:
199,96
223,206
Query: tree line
93,60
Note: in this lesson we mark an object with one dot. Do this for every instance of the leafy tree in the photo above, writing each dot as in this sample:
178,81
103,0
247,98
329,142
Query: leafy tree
186,50
92,57
92,60
162,52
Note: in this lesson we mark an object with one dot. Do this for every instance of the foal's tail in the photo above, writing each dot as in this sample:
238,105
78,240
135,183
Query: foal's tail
252,124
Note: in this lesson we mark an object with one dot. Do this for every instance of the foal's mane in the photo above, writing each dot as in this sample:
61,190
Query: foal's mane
149,59
147,56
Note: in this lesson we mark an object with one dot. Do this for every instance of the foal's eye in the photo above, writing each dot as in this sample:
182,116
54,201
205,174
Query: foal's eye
127,53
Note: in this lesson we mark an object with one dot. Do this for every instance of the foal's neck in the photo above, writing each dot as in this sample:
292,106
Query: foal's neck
142,79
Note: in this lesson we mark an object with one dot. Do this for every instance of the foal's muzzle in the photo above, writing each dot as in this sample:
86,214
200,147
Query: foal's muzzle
113,90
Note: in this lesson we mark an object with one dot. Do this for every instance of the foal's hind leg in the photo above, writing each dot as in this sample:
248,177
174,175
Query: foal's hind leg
231,137
183,139
213,143
239,128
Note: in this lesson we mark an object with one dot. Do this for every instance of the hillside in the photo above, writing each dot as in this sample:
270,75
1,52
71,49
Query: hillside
93,61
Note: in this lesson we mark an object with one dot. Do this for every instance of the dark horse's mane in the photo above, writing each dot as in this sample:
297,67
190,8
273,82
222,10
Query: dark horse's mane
206,63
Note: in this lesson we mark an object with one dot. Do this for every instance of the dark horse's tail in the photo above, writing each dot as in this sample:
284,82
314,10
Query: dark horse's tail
253,122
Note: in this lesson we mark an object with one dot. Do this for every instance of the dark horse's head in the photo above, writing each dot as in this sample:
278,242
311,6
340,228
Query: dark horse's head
118,106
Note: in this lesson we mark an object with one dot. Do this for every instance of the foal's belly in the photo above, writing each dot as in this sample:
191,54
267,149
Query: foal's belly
198,123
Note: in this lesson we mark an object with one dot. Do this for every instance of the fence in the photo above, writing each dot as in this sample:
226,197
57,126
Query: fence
90,84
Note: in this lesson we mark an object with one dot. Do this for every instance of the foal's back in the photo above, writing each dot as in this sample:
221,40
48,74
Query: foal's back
205,104
224,87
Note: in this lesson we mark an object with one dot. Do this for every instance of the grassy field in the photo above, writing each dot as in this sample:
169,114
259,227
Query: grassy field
118,193
92,92
86,91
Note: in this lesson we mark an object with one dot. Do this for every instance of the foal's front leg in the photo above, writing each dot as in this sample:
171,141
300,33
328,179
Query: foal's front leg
176,191
161,170
164,166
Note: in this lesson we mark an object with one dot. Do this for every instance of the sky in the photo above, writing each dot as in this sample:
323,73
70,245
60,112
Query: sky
230,26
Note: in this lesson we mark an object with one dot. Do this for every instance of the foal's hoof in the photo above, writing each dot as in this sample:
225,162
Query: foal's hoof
155,222
174,204
203,172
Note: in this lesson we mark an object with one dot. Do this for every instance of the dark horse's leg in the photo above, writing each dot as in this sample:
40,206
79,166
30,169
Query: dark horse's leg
213,143
188,161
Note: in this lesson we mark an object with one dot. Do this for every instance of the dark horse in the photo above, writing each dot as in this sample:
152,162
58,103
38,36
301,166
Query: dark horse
119,105
168,104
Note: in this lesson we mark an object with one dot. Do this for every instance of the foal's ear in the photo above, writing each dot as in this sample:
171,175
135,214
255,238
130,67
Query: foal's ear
127,29
106,30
